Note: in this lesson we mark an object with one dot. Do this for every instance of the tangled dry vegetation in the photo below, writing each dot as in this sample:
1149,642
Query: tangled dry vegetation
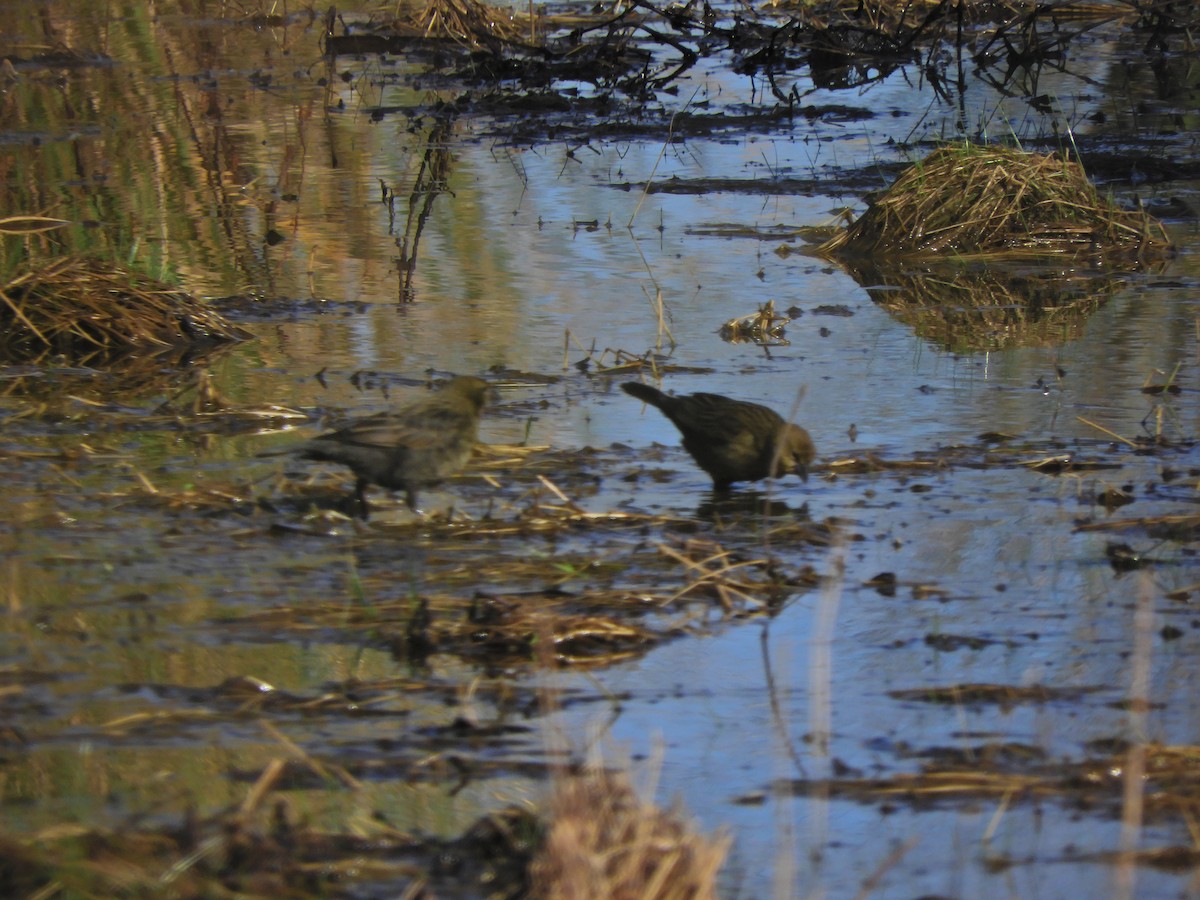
642,47
970,201
87,311
468,22
605,842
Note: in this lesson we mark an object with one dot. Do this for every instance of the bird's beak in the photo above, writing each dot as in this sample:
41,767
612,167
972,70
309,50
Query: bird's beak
802,471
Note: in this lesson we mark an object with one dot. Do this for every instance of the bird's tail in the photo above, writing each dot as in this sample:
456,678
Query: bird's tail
645,393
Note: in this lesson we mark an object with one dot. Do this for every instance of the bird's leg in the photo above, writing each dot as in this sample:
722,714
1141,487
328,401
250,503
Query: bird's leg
360,494
410,499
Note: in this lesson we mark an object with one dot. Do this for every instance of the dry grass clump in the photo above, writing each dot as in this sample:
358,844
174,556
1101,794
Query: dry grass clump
80,308
604,843
468,22
971,201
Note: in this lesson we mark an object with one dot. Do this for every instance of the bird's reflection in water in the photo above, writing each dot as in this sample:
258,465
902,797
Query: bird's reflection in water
744,504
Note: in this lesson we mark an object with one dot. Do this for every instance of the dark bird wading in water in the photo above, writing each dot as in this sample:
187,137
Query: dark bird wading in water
412,447
732,440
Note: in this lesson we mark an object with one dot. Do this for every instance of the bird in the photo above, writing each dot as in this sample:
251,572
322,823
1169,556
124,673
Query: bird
732,440
404,449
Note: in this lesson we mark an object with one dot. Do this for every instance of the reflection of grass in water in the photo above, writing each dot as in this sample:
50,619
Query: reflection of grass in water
968,311
160,154
126,151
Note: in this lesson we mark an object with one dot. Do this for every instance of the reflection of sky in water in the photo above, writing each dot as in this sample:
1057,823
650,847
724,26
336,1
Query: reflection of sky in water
1000,543
540,274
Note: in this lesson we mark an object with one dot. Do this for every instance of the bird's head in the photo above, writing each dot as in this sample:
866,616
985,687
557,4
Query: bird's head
474,391
794,451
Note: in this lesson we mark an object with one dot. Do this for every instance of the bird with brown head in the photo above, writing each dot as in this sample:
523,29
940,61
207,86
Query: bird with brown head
415,446
732,440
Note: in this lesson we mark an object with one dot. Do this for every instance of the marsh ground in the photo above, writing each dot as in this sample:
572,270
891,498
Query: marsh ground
928,670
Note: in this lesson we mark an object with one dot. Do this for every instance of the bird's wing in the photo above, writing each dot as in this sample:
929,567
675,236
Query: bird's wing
414,428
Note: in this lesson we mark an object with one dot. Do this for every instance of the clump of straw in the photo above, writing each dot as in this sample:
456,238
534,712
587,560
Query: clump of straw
81,308
468,22
604,843
971,201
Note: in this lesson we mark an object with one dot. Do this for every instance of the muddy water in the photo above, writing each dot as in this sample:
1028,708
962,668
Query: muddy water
131,609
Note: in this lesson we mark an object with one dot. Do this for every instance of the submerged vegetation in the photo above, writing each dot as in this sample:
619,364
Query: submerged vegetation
645,579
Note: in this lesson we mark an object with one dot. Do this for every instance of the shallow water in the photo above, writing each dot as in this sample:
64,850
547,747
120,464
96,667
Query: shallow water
539,250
